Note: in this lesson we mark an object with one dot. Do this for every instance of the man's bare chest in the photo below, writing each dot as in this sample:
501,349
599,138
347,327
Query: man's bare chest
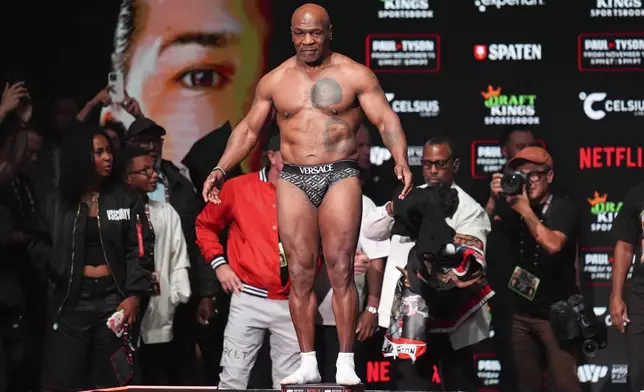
329,94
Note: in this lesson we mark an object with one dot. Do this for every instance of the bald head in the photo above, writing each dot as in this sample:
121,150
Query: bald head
311,34
311,14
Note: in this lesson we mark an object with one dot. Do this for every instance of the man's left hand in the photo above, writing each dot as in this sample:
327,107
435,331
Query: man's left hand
452,277
360,263
403,173
367,325
519,203
206,310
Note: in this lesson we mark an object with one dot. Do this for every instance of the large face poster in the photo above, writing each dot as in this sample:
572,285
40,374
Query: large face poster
192,64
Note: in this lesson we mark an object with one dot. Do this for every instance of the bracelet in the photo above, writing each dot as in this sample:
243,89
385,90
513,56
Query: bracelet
220,169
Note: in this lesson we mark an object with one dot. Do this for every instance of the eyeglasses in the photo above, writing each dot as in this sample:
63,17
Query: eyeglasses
535,176
442,164
149,172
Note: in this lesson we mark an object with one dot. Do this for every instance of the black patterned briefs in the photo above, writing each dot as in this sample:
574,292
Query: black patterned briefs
316,180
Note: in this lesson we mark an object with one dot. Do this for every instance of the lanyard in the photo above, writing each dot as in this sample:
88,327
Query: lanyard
545,207
535,257
147,215
166,188
32,204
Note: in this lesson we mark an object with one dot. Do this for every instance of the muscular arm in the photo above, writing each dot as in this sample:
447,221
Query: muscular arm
375,106
550,240
375,274
623,257
246,133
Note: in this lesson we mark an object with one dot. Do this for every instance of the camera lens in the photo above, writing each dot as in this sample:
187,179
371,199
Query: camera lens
589,348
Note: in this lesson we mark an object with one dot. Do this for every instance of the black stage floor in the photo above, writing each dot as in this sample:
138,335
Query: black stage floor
296,388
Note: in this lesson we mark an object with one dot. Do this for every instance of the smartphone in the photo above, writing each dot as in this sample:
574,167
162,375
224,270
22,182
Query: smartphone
16,77
117,87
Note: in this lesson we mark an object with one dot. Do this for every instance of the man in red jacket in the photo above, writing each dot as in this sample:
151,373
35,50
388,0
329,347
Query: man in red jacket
255,272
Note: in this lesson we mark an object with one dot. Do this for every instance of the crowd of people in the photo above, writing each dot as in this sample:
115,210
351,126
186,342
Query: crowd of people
116,271
107,225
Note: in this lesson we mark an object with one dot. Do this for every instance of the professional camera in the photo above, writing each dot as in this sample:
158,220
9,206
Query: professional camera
573,324
513,183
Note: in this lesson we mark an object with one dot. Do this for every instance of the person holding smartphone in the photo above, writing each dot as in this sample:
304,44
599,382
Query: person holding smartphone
97,267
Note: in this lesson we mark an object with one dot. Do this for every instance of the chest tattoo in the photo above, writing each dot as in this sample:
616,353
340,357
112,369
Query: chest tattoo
333,127
326,92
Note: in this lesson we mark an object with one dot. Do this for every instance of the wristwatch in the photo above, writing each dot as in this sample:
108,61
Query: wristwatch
372,310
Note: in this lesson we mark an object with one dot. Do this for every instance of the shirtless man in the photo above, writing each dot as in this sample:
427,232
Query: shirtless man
319,98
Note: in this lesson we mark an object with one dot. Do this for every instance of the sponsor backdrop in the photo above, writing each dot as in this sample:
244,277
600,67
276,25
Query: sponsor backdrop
571,71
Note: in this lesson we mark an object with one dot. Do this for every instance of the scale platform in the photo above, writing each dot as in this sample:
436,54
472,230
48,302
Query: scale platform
322,387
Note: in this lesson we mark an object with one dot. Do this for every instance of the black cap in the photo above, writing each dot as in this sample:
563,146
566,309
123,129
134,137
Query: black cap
144,125
273,143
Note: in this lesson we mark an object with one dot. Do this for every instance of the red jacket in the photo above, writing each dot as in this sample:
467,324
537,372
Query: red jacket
248,207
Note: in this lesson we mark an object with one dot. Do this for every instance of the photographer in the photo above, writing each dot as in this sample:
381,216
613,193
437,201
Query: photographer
543,229
627,231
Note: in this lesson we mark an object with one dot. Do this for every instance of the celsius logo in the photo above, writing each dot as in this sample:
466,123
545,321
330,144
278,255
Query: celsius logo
483,5
611,105
424,108
507,52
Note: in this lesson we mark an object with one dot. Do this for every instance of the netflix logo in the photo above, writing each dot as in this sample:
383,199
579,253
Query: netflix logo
599,157
378,371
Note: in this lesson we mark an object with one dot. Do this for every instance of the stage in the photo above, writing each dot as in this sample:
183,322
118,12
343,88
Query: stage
294,388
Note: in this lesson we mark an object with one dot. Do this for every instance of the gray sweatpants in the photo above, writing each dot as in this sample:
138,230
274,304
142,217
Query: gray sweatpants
249,319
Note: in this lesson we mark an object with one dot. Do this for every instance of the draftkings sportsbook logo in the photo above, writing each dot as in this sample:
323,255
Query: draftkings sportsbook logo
617,9
509,109
484,5
511,52
405,9
604,211
424,108
617,52
597,105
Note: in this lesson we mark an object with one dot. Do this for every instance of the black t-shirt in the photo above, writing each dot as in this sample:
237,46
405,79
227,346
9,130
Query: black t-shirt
557,271
627,227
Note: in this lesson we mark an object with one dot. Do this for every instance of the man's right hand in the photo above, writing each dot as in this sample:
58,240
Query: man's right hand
618,312
228,279
11,97
403,173
495,185
212,186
